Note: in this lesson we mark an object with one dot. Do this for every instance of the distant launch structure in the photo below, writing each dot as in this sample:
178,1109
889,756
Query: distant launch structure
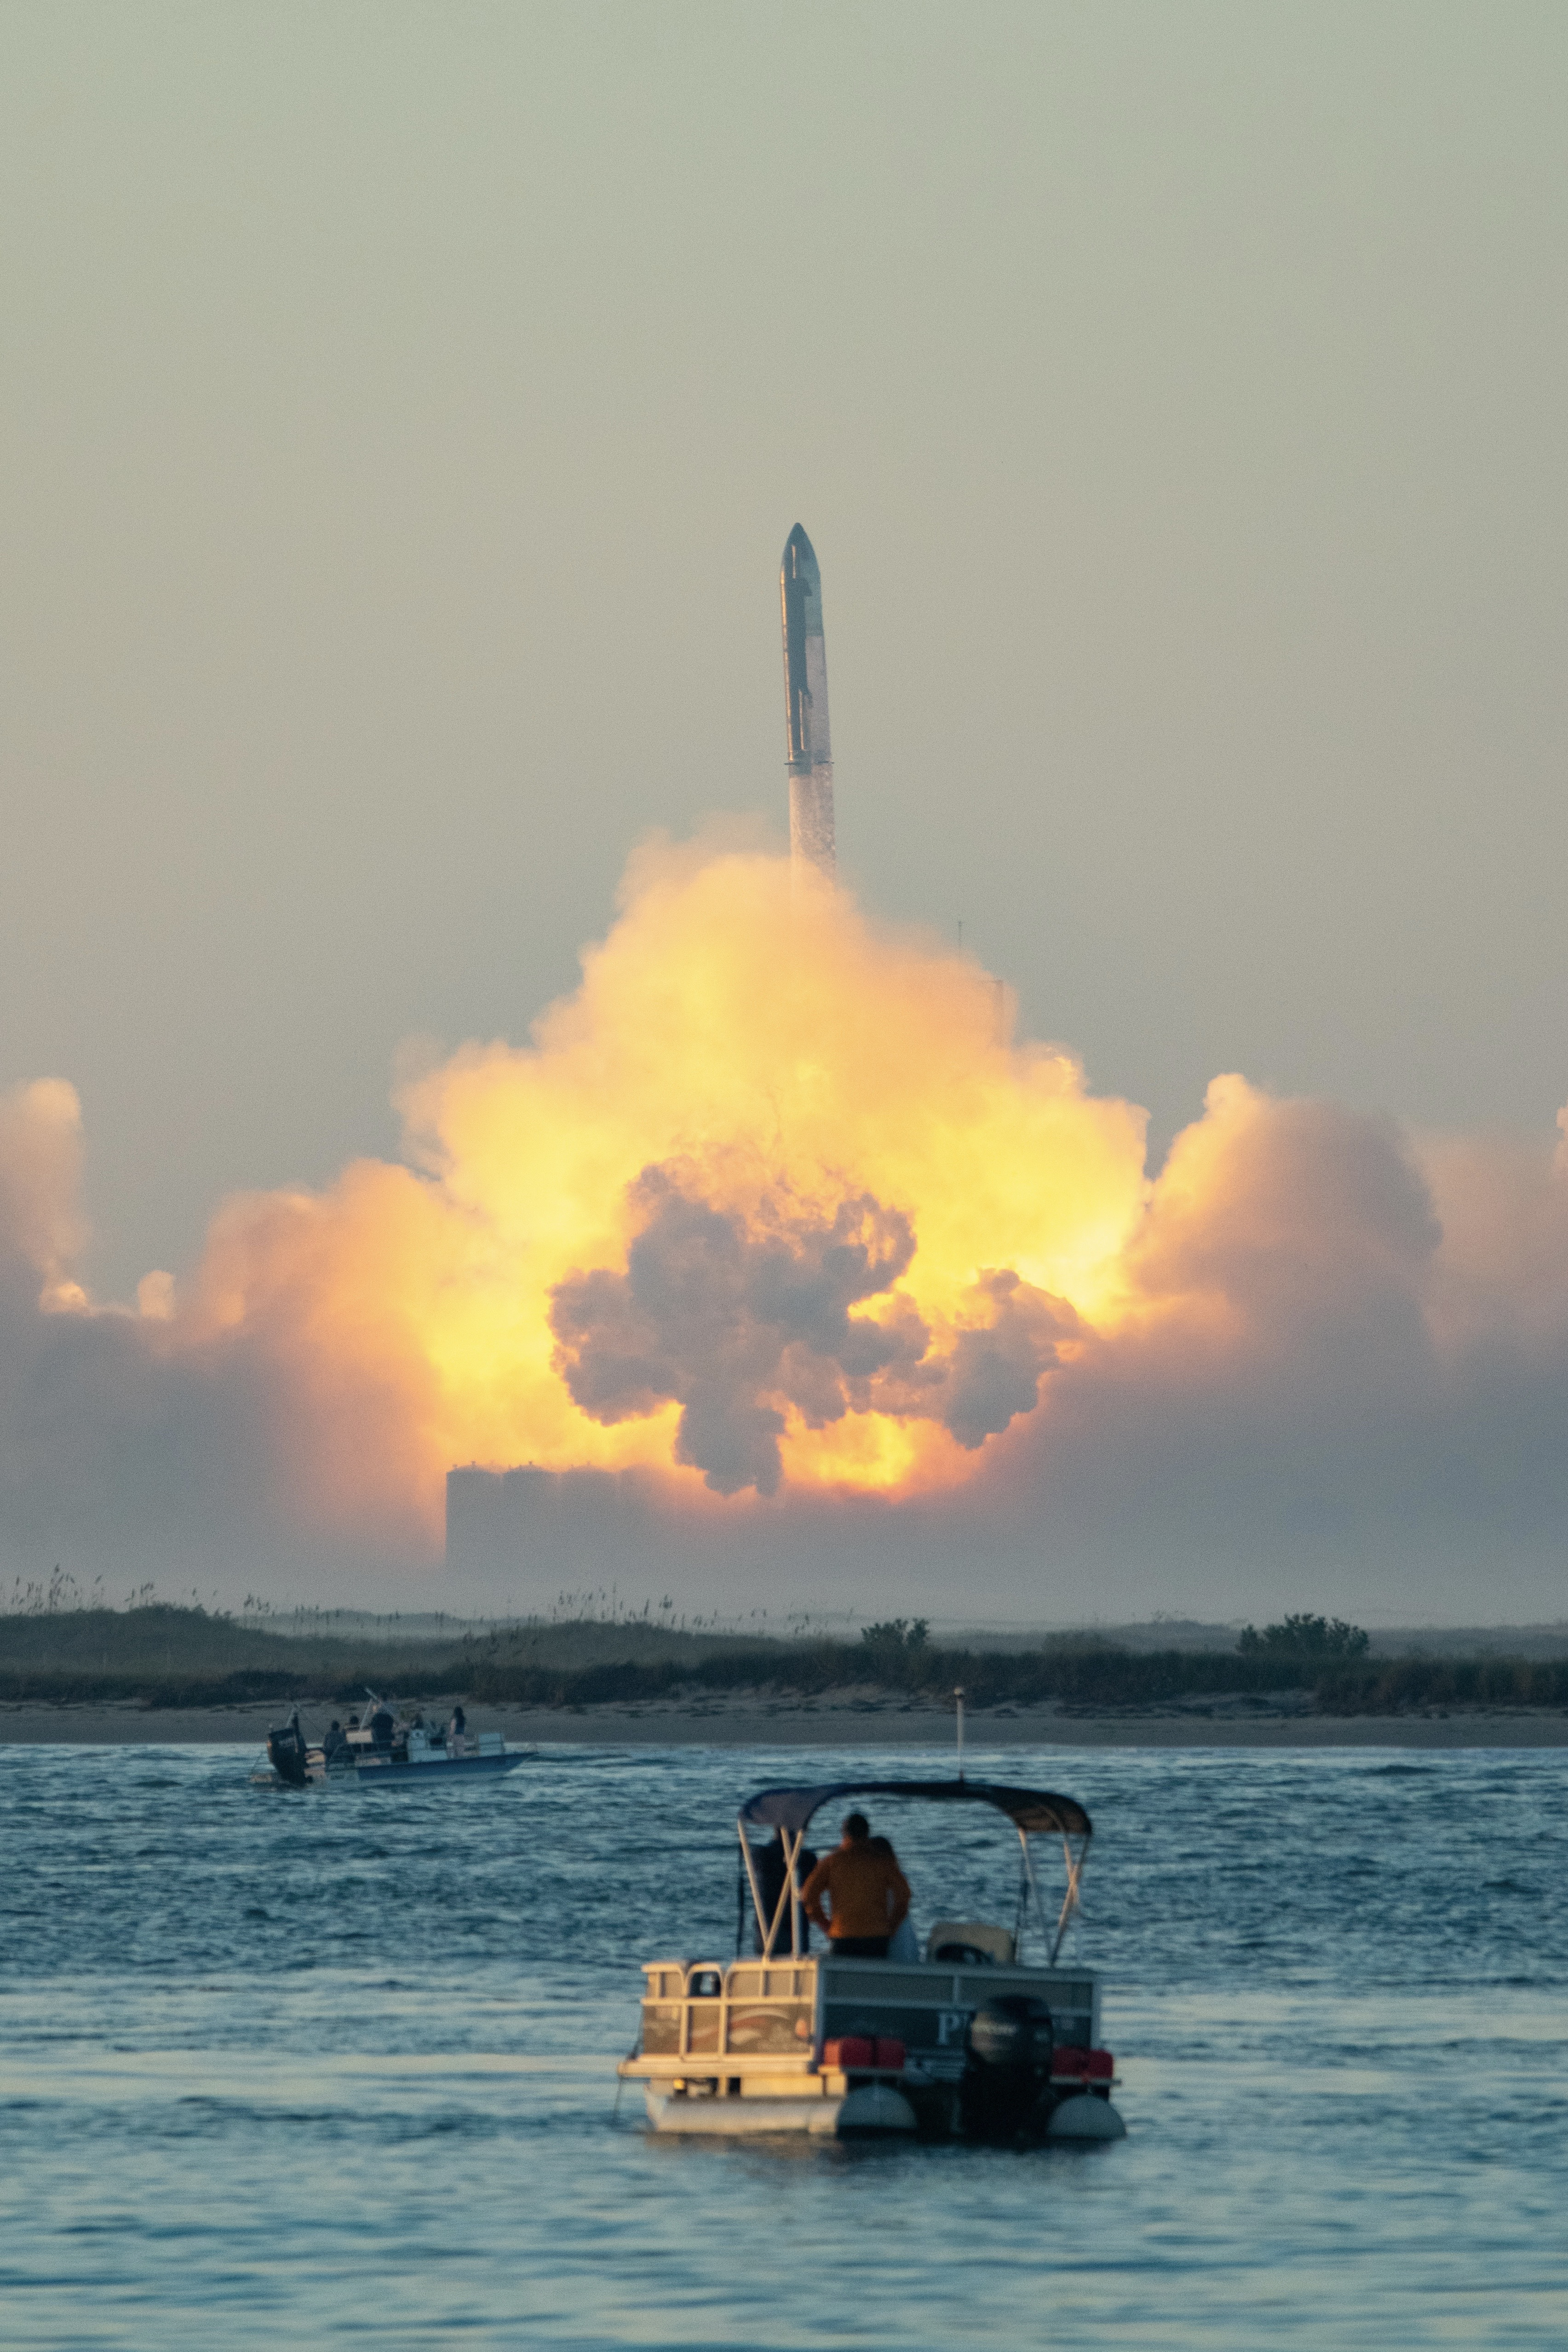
811,838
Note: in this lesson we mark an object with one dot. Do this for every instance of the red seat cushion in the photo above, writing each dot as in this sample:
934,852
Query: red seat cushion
1101,2067
1071,2062
889,2053
850,2050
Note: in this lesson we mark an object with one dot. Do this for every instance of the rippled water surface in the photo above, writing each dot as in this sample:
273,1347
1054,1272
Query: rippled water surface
280,2067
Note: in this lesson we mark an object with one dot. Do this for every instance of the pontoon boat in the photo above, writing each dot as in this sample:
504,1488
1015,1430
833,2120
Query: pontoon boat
968,2038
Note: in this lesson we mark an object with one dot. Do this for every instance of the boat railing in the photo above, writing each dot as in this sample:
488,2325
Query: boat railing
772,2015
754,2009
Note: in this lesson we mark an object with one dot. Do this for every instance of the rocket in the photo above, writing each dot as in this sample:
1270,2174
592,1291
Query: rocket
805,709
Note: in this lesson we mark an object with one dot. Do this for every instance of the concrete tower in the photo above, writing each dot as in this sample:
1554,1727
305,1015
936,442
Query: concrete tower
805,706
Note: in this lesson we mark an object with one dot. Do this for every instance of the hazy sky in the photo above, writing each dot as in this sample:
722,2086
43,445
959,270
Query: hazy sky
404,408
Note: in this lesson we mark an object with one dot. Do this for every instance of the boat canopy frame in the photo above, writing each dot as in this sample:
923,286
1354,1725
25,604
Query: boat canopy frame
1033,1812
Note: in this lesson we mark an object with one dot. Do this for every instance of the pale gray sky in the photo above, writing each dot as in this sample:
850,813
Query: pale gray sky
404,408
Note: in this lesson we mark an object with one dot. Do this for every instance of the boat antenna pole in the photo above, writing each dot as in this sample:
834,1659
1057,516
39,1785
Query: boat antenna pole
958,1694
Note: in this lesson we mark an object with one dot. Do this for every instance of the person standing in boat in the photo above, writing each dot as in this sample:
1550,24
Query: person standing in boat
867,1893
457,1731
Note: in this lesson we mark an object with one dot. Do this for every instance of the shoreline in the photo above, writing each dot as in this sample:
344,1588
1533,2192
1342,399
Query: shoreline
758,1721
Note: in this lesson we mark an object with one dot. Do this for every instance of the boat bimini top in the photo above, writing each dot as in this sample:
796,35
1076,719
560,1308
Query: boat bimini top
1034,1812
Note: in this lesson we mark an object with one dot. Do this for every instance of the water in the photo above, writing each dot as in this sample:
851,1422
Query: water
276,2067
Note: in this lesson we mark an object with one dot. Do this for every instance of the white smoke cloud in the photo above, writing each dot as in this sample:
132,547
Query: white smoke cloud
42,1229
1349,1370
1337,1374
130,1448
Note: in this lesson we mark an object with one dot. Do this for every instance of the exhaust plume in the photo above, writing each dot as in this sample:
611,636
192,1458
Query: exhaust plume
768,1202
773,1211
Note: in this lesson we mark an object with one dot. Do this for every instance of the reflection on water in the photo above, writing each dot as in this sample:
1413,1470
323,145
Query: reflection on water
295,2066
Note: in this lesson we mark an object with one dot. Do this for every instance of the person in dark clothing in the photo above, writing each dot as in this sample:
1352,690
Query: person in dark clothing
381,1724
772,1872
336,1741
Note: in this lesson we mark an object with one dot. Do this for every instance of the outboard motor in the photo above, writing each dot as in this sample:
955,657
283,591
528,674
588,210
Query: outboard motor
1008,2066
287,1753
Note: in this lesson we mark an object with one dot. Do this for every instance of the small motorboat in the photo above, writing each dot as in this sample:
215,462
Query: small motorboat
379,1750
965,2037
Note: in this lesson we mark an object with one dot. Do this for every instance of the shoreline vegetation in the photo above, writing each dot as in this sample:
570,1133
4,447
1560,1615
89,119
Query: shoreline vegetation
160,1656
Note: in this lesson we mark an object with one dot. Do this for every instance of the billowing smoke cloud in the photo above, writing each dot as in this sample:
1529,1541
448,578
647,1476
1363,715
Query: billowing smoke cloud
745,1319
42,1231
195,1442
774,1212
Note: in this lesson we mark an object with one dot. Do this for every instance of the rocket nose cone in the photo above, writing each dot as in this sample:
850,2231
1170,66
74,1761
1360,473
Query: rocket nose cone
799,555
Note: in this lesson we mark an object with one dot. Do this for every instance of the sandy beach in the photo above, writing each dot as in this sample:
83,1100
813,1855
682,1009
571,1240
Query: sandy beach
845,1719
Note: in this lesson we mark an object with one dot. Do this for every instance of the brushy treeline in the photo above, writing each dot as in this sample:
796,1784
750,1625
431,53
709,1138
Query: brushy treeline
168,1656
1083,1677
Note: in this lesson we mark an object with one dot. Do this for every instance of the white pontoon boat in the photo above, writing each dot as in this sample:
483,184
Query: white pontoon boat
970,2038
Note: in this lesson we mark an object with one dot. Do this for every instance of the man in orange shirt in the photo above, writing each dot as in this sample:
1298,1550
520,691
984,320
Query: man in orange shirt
868,1892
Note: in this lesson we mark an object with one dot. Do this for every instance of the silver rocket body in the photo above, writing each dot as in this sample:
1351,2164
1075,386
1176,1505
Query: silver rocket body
811,837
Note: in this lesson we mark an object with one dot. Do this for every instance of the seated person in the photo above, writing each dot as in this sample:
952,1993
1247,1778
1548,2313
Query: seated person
869,1894
772,1872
